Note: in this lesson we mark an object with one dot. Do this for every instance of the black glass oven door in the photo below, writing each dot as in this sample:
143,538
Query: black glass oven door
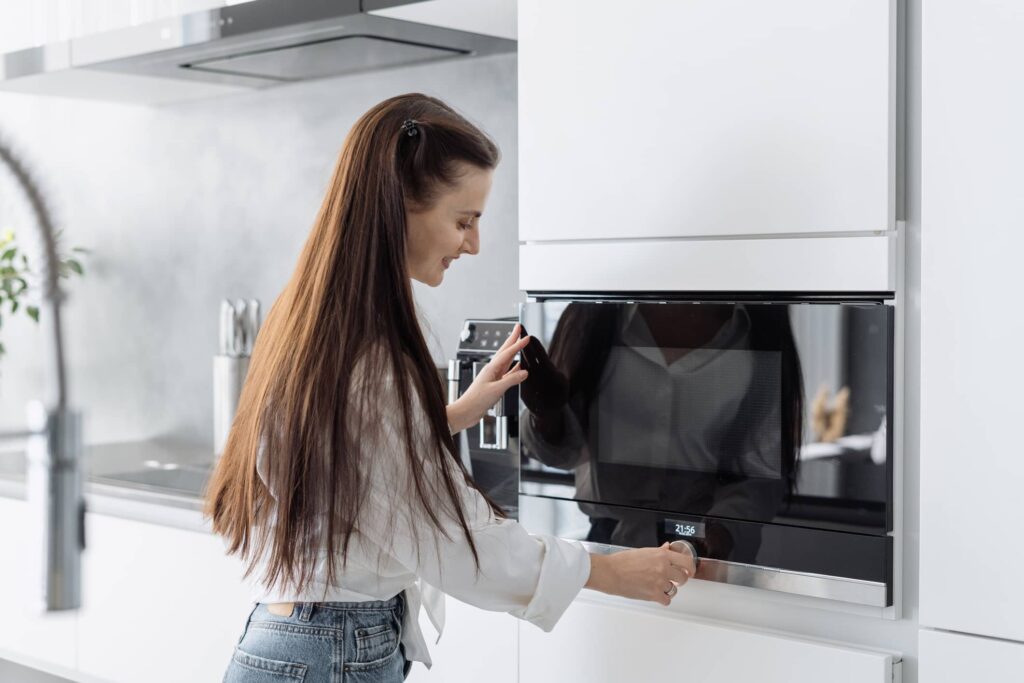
751,412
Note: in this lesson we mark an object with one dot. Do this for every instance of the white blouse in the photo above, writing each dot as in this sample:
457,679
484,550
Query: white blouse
397,548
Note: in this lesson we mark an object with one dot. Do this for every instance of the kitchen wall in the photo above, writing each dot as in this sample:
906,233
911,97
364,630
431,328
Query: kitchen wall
184,205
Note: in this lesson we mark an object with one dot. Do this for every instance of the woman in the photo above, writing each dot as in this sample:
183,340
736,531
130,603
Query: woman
340,483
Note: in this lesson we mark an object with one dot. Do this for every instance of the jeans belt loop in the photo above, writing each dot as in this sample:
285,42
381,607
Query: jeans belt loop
306,613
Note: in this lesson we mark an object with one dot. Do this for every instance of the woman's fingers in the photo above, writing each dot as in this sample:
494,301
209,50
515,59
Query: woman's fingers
504,355
513,377
514,368
679,575
682,560
511,338
678,569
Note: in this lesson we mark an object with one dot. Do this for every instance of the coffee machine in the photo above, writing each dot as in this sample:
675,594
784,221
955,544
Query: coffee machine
489,448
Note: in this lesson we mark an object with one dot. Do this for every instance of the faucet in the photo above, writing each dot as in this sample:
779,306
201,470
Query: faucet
54,446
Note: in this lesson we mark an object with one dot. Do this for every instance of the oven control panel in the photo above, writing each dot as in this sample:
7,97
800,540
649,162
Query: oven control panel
484,336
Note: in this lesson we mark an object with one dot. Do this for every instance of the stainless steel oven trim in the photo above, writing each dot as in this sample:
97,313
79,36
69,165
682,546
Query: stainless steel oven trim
884,298
544,519
871,593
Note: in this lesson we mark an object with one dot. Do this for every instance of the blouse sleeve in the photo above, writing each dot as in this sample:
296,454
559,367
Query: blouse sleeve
532,577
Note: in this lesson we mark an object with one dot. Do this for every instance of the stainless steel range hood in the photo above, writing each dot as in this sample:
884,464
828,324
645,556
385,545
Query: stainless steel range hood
258,44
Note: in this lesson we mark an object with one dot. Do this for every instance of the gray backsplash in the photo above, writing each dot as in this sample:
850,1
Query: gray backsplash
186,204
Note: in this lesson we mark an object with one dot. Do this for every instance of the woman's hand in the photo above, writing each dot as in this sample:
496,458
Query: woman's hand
642,574
490,384
547,390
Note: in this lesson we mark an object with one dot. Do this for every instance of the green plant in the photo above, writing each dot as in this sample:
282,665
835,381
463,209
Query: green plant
16,274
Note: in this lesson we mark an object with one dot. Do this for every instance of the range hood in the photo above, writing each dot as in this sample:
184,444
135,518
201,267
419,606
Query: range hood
257,44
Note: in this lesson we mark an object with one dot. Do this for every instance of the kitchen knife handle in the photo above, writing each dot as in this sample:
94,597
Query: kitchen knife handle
227,316
253,319
241,338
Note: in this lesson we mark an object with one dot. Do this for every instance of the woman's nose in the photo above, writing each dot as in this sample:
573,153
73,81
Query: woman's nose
471,245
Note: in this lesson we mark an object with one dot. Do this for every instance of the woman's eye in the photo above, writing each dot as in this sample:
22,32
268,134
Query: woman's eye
465,226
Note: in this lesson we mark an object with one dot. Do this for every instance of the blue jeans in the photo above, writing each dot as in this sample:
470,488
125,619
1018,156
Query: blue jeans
323,642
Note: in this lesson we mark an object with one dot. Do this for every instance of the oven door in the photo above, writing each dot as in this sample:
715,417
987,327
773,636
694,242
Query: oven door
760,431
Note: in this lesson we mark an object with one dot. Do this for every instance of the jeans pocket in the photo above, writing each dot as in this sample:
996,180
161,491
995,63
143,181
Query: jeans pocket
247,668
376,643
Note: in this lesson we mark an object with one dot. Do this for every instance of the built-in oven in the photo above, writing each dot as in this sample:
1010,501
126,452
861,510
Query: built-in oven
758,428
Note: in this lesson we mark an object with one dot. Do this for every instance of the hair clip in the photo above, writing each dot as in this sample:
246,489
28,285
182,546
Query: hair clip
411,128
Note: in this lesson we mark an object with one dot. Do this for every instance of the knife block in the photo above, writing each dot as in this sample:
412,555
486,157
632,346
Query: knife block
228,379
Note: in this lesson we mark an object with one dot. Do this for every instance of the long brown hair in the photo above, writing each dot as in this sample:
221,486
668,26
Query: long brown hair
348,304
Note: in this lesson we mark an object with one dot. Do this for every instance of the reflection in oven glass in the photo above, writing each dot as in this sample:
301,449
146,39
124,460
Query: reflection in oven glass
727,411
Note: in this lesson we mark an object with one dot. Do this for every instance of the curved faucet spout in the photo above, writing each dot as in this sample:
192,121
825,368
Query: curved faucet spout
54,480
52,295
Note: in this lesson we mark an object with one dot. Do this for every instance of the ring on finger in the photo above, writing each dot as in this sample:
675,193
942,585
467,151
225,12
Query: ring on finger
672,591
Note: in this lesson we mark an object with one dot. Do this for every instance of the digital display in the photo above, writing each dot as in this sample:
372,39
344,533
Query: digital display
684,528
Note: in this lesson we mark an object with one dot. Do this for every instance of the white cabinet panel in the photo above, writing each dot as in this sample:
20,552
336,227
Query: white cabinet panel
971,369
801,264
160,605
489,17
477,646
601,644
26,24
26,633
954,658
705,117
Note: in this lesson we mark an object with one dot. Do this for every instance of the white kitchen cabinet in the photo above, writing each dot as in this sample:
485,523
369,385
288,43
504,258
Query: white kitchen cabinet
27,24
160,604
488,17
477,646
164,605
863,263
27,634
602,644
971,241
955,658
706,118
150,590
